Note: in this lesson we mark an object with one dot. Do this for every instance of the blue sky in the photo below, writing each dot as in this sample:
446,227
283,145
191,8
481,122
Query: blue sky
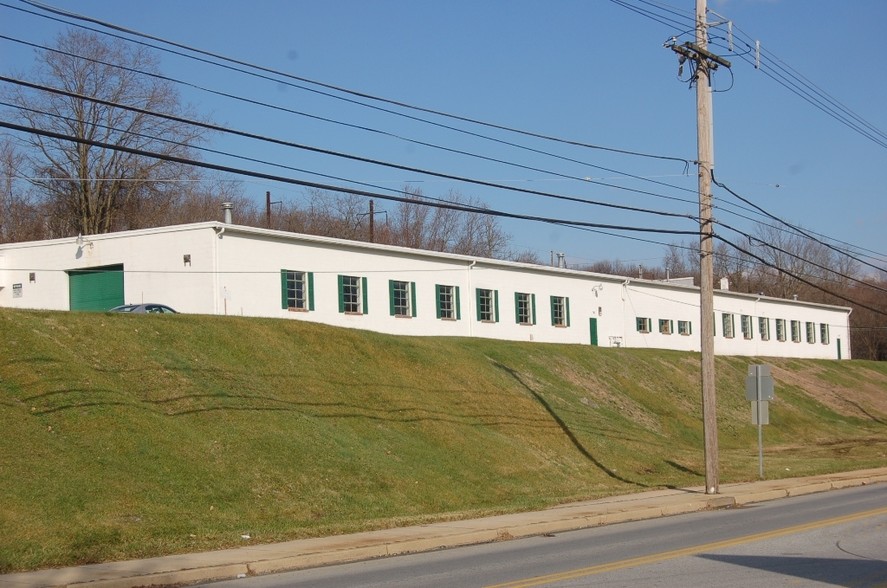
589,71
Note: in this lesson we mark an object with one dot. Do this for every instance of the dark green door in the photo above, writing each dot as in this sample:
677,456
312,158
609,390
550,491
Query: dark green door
96,288
592,325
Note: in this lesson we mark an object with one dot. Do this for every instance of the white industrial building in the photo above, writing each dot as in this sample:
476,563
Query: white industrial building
218,268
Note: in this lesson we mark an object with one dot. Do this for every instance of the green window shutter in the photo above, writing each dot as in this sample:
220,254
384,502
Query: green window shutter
391,310
341,280
567,304
437,299
551,300
517,307
310,290
365,294
458,304
533,307
283,289
413,298
690,327
714,323
477,302
496,303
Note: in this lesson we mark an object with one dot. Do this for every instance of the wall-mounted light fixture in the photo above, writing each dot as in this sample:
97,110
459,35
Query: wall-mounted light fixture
187,259
32,277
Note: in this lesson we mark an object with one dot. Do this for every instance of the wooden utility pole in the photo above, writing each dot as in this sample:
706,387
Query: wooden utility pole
705,156
704,63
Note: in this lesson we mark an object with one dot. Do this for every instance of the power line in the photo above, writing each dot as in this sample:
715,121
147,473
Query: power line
341,89
663,7
798,257
420,171
793,227
394,135
340,154
799,278
799,84
342,189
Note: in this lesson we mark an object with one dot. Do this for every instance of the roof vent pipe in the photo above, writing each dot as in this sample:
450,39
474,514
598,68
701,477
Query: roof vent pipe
227,207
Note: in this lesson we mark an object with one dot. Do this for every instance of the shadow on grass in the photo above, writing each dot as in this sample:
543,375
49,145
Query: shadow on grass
223,401
566,429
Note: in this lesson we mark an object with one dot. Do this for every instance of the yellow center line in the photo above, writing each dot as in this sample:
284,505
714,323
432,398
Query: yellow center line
657,557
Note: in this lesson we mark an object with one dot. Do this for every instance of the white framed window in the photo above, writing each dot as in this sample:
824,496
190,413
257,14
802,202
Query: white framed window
780,329
824,334
447,302
746,324
685,328
796,331
296,290
402,298
666,326
643,324
487,305
560,311
727,322
353,295
764,328
524,308
811,332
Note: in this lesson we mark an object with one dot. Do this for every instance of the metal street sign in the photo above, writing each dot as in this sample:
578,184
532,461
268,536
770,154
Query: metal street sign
758,377
759,390
760,413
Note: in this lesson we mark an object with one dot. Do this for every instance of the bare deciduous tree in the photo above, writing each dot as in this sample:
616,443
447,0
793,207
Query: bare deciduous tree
418,225
21,219
88,189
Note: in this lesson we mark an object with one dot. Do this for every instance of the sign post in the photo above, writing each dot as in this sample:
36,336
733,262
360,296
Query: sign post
759,390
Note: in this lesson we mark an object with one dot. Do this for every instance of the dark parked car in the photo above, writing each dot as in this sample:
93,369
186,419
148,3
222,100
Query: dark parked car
143,308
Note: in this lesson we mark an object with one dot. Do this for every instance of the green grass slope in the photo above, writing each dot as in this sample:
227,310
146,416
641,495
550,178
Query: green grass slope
135,436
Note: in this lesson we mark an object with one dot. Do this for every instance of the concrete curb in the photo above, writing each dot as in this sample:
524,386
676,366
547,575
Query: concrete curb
307,553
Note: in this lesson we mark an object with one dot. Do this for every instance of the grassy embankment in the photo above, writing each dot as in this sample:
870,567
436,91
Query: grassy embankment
134,436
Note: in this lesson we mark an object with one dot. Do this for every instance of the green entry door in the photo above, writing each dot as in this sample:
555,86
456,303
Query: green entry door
96,288
592,325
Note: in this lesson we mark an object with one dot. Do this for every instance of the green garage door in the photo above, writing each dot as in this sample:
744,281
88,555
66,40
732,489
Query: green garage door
96,288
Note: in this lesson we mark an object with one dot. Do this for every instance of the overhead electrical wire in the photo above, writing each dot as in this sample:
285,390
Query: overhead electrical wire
793,227
819,102
660,18
394,102
799,278
369,129
342,189
394,135
801,81
814,95
336,88
798,257
779,71
115,27
482,210
351,157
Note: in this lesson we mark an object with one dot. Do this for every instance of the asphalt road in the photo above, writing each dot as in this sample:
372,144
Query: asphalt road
837,538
